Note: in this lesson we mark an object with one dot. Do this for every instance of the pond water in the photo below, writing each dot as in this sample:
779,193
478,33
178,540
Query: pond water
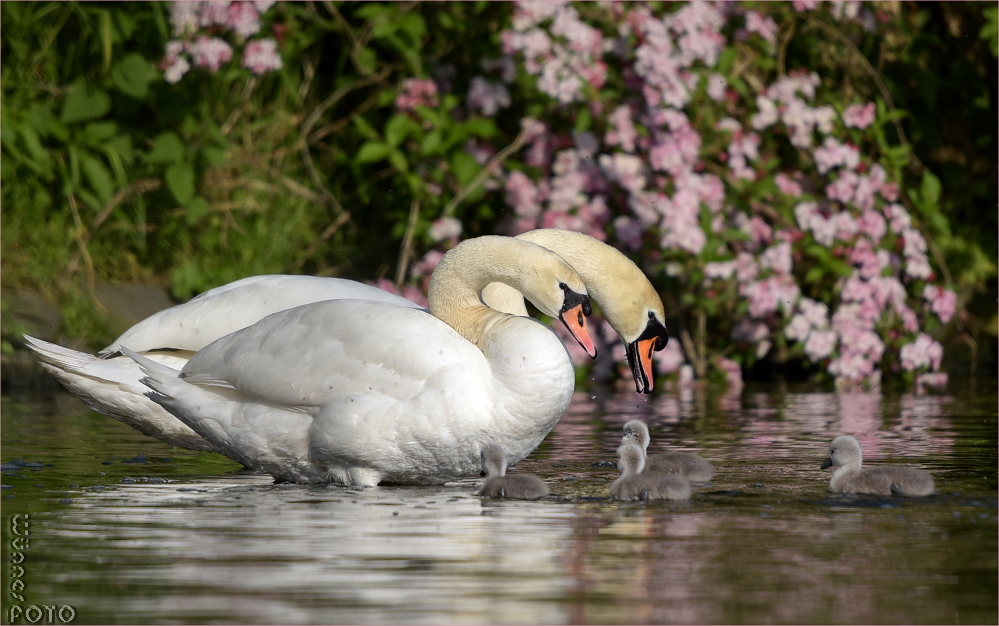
124,529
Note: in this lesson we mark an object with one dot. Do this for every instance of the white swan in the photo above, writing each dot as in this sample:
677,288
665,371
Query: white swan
689,465
110,384
499,485
362,392
637,484
849,477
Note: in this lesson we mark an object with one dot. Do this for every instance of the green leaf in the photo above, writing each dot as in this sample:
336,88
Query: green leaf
366,60
122,145
370,10
213,154
583,120
97,132
481,127
814,274
431,143
990,30
84,102
196,210
464,167
413,25
398,161
133,74
366,129
930,192
167,148
397,128
180,182
98,176
372,151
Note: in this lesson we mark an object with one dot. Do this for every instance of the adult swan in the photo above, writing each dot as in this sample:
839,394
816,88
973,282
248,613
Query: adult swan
362,392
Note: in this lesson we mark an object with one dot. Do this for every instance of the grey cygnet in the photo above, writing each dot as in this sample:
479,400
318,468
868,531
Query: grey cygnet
690,466
849,477
499,485
634,484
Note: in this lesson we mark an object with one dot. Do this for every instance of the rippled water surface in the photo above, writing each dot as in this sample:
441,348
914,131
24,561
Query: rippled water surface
125,529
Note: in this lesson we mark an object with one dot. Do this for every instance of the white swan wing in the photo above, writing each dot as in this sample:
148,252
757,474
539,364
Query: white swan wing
220,311
308,355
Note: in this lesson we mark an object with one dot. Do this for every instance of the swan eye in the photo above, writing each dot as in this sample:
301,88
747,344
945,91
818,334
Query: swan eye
563,286
652,315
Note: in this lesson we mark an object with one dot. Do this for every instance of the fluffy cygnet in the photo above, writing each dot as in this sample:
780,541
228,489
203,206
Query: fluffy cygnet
690,466
634,484
845,454
499,485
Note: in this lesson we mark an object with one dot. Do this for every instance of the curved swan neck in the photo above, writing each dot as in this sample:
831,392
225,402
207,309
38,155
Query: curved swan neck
466,269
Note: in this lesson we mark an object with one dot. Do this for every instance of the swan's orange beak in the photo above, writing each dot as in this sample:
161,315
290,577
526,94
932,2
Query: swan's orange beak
575,320
640,353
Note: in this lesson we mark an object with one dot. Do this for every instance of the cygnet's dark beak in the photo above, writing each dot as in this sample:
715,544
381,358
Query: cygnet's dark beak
639,351
826,463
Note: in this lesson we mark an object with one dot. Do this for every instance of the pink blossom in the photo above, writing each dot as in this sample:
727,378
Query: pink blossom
859,115
762,25
787,185
628,231
210,52
716,87
918,266
817,313
749,330
174,66
416,92
719,270
834,154
522,195
746,268
872,224
625,169
898,217
731,369
445,228
865,259
261,56
487,97
820,344
670,358
923,352
846,225
767,295
686,377
425,266
943,302
623,133
242,18
184,18
937,380
777,258
766,113
843,188
528,14
798,328
805,5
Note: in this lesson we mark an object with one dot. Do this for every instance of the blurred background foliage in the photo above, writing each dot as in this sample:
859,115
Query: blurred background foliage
112,175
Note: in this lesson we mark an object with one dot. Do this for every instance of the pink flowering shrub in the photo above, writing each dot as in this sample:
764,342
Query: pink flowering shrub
761,199
193,48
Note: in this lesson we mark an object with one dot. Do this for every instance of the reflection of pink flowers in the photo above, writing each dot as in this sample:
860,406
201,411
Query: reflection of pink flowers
859,115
